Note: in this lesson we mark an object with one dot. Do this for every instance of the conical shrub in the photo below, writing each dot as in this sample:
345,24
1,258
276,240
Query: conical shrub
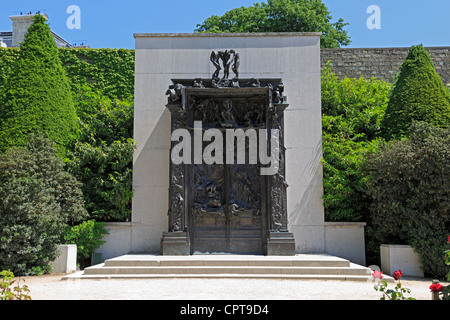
37,96
418,94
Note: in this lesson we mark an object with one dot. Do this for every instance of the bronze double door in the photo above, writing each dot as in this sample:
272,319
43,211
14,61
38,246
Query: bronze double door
226,212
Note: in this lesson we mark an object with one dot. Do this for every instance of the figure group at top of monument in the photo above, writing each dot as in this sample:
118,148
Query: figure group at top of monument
229,58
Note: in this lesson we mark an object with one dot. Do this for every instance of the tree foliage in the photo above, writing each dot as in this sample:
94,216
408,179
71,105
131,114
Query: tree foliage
37,199
37,95
418,95
281,16
409,186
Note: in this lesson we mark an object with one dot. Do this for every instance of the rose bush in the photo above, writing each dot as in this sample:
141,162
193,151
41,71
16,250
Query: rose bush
398,274
447,257
437,287
398,293
439,292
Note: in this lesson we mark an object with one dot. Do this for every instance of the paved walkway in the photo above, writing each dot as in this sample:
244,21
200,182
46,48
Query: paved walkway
51,287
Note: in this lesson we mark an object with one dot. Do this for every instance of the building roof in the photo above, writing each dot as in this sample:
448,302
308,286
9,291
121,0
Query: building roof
6,38
61,40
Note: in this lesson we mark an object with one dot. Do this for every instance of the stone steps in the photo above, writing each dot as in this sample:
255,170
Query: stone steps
306,266
224,270
226,260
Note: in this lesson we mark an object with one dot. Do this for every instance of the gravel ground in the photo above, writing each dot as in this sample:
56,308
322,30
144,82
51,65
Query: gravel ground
51,287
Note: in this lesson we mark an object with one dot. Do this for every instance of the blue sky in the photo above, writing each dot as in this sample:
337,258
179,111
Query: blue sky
111,24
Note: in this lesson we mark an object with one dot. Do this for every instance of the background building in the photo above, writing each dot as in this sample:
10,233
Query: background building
20,25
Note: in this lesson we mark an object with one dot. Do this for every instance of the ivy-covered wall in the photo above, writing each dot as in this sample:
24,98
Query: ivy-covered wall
110,71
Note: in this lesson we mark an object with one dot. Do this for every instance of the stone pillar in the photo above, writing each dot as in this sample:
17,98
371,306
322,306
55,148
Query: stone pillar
280,241
176,241
20,27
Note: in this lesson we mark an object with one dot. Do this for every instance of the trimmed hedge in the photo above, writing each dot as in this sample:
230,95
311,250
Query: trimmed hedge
37,95
418,95
8,57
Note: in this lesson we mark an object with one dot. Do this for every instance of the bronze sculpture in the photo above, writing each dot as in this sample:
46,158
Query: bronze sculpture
229,58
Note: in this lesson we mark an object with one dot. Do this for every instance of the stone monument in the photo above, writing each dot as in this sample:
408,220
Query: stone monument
226,205
209,85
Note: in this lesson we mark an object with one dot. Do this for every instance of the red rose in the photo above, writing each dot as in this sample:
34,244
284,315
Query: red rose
436,287
448,239
377,274
397,274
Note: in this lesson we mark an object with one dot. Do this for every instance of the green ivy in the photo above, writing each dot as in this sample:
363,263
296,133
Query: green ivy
110,71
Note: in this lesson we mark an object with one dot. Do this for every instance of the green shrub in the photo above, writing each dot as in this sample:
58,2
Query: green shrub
102,118
344,179
410,187
37,199
106,174
102,159
37,95
418,95
87,236
352,112
356,105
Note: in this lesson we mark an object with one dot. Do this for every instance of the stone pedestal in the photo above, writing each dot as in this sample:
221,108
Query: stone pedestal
400,257
280,244
66,262
175,244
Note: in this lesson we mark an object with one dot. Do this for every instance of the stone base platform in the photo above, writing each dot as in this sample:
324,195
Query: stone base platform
300,266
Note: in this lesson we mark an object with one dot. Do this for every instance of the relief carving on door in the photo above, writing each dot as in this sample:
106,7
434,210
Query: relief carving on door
223,207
